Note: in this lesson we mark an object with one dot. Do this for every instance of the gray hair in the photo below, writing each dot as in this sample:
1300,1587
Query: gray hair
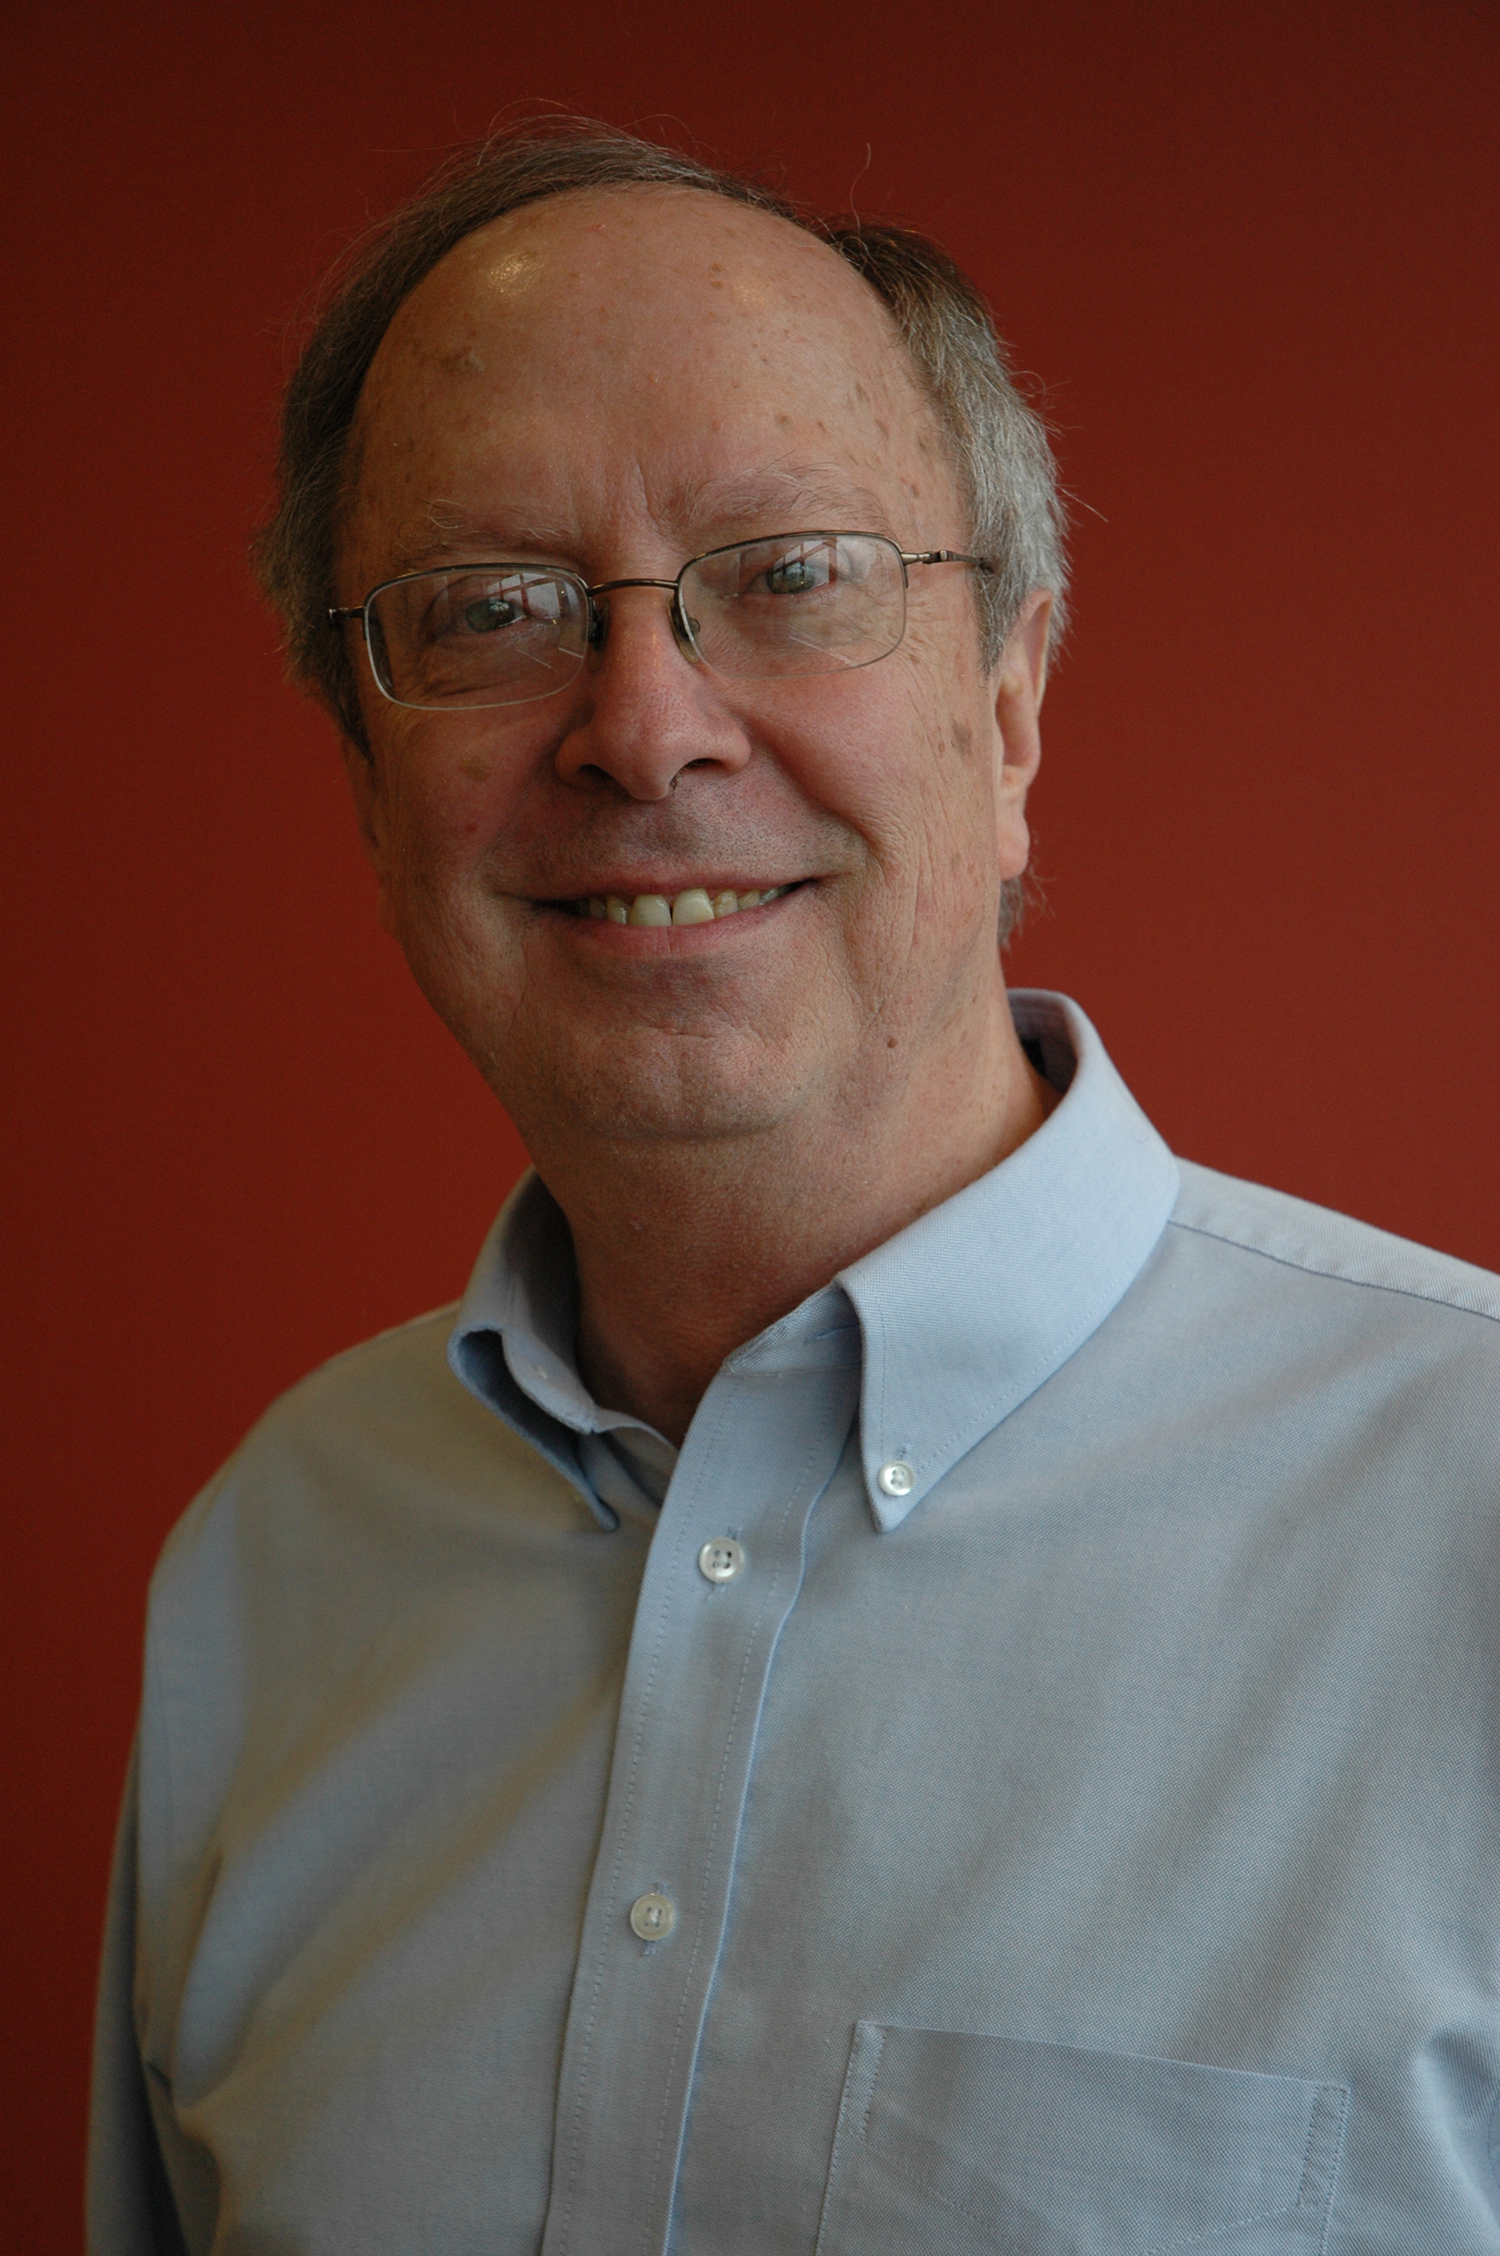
998,441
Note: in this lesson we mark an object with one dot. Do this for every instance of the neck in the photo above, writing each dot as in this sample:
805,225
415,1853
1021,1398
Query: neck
686,1249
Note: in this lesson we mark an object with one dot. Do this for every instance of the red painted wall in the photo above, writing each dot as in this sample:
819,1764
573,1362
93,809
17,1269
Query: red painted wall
1250,247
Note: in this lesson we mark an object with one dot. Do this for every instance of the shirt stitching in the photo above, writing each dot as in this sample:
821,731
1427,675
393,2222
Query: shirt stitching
842,2133
864,2121
1335,2158
603,1943
1165,2247
1311,1268
751,1644
967,1435
1312,2132
1162,2248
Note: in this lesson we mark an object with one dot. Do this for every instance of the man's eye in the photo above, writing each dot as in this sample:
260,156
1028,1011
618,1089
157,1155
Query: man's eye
490,612
795,575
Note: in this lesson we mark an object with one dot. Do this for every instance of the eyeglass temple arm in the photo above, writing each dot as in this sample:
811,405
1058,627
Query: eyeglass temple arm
946,556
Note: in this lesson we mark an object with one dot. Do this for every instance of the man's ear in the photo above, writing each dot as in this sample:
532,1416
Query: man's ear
370,815
1020,681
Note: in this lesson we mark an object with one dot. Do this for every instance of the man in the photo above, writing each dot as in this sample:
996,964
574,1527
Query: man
908,1672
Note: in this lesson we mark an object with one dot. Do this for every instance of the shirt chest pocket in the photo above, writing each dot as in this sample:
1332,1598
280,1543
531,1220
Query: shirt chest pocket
952,2145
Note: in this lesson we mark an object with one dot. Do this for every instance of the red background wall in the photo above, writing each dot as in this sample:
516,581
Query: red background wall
1250,247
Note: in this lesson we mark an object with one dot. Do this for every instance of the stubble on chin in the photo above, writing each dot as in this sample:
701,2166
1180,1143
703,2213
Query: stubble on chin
643,1083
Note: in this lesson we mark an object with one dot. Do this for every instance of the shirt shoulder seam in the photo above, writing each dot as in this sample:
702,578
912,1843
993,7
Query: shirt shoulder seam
391,1332
357,1348
1314,1268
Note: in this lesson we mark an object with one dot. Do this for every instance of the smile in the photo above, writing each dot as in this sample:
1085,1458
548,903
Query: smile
696,906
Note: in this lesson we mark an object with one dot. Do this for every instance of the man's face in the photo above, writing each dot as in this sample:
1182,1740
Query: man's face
614,382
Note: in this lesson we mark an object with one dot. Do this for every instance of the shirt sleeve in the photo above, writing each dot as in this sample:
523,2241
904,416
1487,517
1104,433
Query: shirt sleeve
130,2207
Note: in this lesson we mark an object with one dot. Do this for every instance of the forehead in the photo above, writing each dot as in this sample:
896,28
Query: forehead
646,334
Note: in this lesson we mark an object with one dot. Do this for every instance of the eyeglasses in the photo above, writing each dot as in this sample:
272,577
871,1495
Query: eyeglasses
479,635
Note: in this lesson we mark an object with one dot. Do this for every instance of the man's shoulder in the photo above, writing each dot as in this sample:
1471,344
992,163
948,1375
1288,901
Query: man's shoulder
382,1437
397,1372
1319,1243
392,1392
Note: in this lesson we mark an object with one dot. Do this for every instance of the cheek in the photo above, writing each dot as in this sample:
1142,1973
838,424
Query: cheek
945,784
901,762
944,811
444,807
428,840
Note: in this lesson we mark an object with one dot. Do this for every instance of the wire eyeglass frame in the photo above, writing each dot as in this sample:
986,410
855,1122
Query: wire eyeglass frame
685,628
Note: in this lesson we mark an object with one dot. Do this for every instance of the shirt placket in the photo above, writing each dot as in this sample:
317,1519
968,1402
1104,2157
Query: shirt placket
723,1574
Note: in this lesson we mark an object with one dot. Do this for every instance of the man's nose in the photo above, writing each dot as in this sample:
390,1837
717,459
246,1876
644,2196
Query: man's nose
647,711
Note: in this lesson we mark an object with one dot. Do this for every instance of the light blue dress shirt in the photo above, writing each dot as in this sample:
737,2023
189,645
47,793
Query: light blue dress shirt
1028,1786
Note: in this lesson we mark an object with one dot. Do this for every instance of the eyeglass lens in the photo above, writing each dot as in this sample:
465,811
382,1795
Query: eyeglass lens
494,635
801,603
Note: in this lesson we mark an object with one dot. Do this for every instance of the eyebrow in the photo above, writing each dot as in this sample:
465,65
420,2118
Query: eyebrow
453,533
781,498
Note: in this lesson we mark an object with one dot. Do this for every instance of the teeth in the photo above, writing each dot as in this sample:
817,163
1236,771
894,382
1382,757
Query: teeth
696,906
693,907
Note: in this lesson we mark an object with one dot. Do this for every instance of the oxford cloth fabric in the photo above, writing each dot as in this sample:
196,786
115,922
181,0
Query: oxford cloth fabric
1087,1851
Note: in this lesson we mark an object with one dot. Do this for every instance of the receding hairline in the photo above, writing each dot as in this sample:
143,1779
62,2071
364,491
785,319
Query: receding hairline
612,191
860,292
733,215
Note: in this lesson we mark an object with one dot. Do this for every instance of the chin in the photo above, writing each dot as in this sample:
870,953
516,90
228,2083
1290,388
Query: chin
665,1089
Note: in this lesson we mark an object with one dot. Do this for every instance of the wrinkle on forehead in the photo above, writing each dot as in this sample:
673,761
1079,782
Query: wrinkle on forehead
598,255
781,498
657,293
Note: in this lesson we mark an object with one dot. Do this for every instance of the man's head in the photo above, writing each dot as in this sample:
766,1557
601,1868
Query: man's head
999,446
608,378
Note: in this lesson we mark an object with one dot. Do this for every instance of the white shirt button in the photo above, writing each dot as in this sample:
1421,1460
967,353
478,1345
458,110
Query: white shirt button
897,1478
653,1917
721,1560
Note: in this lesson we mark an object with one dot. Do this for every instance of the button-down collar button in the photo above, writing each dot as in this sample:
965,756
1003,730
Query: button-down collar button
653,1917
721,1560
897,1478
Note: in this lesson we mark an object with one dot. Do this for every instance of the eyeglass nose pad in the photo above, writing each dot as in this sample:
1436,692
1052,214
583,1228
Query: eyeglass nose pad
598,629
685,629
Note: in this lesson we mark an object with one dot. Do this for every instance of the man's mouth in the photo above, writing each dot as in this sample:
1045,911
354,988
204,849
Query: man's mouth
695,906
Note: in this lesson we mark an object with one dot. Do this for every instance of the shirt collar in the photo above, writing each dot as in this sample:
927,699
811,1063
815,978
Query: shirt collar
974,1306
962,1315
513,1343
